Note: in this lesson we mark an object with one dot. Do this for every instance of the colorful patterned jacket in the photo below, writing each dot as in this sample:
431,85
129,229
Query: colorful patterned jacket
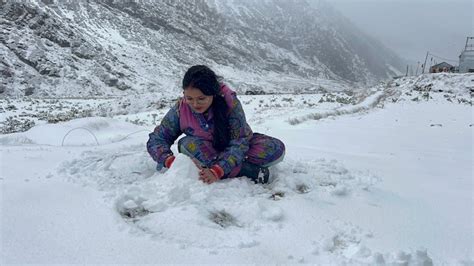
182,119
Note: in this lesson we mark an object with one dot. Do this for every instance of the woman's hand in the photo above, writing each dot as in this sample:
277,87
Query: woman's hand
207,176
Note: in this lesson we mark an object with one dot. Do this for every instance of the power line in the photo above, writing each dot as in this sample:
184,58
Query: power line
445,59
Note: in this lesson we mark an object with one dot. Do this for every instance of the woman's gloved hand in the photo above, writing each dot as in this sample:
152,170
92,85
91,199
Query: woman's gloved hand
209,175
169,161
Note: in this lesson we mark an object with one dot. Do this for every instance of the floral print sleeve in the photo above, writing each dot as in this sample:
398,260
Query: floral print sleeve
240,135
164,135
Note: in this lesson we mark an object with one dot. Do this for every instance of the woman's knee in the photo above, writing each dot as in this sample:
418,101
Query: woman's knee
189,145
265,150
279,152
197,148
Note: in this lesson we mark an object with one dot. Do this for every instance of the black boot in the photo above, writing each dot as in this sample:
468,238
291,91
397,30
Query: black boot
258,174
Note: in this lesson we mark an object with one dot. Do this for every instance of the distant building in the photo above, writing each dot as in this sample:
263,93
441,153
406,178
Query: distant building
466,59
442,67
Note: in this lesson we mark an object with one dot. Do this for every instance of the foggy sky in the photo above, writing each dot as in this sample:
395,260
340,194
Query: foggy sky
413,27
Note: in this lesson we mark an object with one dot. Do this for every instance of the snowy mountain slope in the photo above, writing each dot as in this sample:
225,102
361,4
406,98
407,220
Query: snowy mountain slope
94,48
390,183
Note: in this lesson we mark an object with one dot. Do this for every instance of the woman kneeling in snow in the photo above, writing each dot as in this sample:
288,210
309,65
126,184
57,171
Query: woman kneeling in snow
218,137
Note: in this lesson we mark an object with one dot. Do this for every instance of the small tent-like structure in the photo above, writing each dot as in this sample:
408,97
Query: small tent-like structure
442,67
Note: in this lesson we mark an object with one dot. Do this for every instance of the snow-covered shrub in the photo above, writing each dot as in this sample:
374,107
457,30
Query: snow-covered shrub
12,125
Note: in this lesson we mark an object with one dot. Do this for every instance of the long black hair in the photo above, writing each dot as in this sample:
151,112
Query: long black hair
203,78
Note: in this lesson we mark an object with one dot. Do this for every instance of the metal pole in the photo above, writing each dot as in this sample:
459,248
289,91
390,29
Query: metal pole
424,65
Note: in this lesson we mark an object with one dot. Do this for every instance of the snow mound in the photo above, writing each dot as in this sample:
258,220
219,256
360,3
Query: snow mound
176,207
78,132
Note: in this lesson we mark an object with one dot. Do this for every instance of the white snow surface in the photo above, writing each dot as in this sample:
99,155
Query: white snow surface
382,179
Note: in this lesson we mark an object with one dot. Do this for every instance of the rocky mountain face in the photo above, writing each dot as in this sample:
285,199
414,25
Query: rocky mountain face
134,47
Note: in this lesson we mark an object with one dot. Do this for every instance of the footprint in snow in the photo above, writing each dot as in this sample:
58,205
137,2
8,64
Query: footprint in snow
223,218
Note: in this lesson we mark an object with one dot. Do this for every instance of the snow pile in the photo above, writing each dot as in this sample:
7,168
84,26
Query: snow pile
175,207
112,171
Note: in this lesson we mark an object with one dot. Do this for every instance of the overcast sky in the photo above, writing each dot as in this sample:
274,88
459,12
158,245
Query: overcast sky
413,27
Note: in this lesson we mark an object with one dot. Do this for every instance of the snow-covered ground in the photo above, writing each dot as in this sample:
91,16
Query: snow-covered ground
381,176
